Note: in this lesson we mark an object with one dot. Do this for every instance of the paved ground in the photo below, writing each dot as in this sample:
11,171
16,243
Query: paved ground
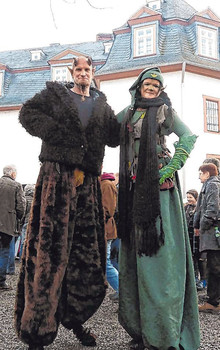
104,324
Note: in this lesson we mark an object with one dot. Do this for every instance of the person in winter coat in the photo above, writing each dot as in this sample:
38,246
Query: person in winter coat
62,277
190,207
207,220
157,294
12,207
109,202
29,194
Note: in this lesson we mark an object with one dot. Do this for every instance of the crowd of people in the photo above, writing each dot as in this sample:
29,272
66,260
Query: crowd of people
70,219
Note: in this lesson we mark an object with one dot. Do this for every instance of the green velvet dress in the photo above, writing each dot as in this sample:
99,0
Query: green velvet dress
157,297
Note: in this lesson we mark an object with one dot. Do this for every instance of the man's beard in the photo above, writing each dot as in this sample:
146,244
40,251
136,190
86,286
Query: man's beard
82,87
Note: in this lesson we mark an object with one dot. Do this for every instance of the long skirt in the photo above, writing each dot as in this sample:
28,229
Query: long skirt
62,277
157,295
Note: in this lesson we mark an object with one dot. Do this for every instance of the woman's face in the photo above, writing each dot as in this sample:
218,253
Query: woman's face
150,88
203,176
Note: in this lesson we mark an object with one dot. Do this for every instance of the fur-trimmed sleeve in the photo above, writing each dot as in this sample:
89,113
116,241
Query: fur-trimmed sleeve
38,118
112,128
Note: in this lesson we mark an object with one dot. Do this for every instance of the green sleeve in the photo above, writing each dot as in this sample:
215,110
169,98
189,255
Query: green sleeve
183,148
120,116
179,128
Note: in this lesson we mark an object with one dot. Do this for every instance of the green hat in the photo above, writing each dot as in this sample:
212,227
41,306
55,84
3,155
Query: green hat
151,73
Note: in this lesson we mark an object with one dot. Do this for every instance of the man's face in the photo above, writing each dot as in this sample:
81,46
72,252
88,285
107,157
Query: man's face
14,174
83,73
150,88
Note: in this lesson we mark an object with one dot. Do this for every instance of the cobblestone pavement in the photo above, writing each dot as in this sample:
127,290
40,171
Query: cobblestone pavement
104,324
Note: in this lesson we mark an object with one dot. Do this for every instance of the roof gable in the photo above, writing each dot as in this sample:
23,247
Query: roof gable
208,13
143,12
67,54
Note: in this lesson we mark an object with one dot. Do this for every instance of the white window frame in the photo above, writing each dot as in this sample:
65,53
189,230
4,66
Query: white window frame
108,46
154,4
36,55
61,73
145,40
207,42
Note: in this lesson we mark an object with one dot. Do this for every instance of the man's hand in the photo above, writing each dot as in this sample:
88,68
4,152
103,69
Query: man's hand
196,232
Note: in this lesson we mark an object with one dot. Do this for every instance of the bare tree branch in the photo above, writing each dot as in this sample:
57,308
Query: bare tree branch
51,10
97,8
70,2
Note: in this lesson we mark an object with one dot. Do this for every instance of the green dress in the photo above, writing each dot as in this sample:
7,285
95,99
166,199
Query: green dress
157,295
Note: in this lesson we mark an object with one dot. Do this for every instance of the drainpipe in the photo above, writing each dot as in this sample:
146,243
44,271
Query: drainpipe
181,112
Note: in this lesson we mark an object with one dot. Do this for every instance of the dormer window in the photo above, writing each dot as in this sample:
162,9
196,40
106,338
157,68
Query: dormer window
145,40
207,42
154,4
108,46
36,55
61,73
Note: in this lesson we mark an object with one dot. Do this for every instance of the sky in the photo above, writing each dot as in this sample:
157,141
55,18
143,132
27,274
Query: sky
35,23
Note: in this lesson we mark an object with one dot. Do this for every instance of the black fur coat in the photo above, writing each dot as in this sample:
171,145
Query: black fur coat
52,116
62,277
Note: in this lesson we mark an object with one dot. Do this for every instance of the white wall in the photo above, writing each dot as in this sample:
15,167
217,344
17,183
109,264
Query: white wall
195,87
19,148
118,98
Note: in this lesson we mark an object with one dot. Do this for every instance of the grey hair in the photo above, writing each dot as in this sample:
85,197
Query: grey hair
9,169
214,161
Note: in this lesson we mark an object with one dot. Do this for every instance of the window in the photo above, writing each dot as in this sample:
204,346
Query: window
154,4
108,46
212,114
36,55
144,41
207,42
61,74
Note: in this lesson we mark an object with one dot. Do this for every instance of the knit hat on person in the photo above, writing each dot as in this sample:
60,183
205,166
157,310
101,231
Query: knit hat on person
148,73
108,176
194,193
211,168
152,73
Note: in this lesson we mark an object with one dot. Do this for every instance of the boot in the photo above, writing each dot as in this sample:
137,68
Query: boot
85,337
136,344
